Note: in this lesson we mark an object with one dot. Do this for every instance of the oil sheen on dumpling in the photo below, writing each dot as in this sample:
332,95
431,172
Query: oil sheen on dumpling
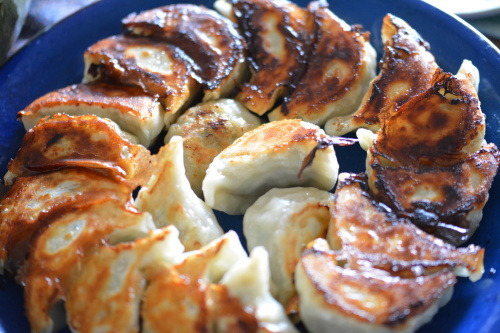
406,70
134,111
283,221
56,254
269,156
170,199
158,68
32,199
336,298
206,129
106,296
339,69
88,141
209,39
278,34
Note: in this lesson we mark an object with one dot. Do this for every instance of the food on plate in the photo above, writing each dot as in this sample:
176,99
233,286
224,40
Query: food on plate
63,242
269,156
406,70
32,200
283,221
370,234
337,298
212,42
278,34
339,69
206,130
134,111
430,162
158,68
170,199
114,278
61,141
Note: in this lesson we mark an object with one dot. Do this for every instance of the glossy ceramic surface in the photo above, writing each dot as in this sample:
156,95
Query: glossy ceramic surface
54,60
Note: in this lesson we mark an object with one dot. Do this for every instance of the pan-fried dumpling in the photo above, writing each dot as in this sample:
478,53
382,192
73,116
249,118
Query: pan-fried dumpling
278,35
269,156
248,282
370,233
206,130
31,199
134,111
158,68
283,221
406,70
56,255
170,199
338,72
61,141
210,40
334,298
179,296
107,295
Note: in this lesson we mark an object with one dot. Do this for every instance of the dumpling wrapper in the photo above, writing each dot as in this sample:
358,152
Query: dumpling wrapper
55,256
62,141
269,156
209,39
206,130
283,221
171,201
107,294
339,69
158,68
134,111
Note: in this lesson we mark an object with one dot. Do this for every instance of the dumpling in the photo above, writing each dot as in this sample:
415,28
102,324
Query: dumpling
210,40
278,34
31,200
64,241
158,68
247,281
133,110
337,298
179,296
61,141
170,199
406,70
206,130
107,294
269,156
368,233
339,69
283,221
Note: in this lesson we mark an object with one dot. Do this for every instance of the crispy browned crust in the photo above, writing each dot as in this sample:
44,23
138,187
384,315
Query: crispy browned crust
33,202
439,199
110,60
369,233
126,99
406,70
188,27
336,47
369,296
62,141
438,127
273,72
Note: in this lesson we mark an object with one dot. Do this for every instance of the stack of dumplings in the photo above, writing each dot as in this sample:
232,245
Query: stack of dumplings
112,200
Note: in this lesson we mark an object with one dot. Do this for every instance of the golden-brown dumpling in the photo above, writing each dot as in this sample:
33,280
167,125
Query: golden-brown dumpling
210,40
134,111
206,129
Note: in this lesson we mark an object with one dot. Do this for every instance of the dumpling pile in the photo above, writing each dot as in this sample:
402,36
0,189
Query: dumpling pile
109,210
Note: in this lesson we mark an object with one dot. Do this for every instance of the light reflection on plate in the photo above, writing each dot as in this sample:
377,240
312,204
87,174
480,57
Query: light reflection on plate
54,60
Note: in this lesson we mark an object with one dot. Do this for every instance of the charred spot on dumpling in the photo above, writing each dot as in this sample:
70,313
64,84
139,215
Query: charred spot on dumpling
212,41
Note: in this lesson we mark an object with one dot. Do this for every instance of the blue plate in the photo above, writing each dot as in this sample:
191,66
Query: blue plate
54,60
